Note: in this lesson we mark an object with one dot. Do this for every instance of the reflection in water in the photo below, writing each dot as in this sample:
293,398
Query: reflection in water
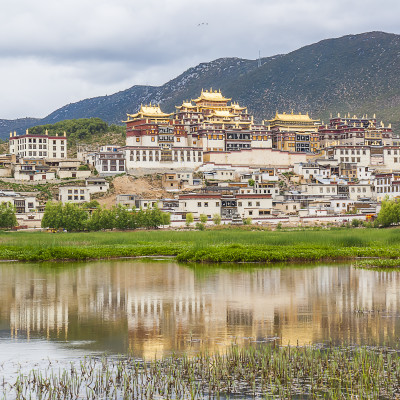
155,308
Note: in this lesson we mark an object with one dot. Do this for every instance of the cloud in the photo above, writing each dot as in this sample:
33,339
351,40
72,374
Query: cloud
56,52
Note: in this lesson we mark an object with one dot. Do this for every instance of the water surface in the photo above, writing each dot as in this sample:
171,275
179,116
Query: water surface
156,308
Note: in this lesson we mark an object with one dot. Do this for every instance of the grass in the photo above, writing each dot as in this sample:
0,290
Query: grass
265,371
204,246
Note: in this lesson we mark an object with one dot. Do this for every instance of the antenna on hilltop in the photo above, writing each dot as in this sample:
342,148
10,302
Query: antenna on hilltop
259,58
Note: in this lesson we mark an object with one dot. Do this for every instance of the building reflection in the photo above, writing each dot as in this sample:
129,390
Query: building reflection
153,309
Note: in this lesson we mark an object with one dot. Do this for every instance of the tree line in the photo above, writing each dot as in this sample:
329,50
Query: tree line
77,217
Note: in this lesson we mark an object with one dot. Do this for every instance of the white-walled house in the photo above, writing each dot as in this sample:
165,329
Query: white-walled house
73,194
97,185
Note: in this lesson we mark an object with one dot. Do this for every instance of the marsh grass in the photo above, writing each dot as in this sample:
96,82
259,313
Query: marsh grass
204,246
254,372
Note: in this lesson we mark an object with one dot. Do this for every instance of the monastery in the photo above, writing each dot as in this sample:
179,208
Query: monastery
212,128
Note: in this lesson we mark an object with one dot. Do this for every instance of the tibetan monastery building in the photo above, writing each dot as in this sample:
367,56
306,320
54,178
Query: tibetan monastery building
210,124
295,132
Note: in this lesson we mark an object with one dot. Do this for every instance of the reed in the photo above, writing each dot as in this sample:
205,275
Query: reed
204,246
259,372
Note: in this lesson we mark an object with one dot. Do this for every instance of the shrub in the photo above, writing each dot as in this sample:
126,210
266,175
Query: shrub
189,219
203,218
200,226
217,219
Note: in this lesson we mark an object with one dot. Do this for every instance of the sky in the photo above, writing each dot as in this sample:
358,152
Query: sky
56,52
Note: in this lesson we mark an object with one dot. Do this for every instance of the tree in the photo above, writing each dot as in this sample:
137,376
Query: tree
189,219
389,213
7,215
203,218
166,218
217,219
251,182
53,215
74,217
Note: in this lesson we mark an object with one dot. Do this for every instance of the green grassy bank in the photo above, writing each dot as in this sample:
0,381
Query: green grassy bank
204,246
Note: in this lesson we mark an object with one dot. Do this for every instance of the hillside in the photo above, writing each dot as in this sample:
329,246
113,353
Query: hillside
88,131
354,73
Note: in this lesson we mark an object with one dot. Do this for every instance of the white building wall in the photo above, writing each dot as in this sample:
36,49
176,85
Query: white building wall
255,157
151,158
361,155
252,207
74,194
359,191
201,205
38,146
391,158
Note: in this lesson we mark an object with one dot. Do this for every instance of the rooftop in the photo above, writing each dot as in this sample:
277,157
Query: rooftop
211,96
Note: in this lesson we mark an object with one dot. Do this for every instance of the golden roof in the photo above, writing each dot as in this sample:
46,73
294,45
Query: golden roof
237,107
292,118
149,111
186,104
211,96
223,113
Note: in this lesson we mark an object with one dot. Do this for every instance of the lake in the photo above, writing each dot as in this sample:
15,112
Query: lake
153,308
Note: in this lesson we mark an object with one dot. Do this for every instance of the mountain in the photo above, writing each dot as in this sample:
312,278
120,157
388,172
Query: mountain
11,125
355,73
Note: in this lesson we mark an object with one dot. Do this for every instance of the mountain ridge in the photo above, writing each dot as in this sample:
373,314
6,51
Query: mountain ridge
357,73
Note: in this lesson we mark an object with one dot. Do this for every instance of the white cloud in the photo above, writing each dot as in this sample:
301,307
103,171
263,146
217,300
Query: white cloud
56,52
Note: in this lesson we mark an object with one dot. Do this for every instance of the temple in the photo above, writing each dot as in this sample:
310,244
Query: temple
211,124
295,132
355,131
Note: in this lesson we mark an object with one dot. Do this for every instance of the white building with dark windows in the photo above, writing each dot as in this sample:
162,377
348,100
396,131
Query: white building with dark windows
108,163
38,146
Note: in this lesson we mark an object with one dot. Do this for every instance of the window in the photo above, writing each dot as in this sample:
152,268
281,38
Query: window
217,204
205,204
137,139
257,204
250,212
250,204
199,204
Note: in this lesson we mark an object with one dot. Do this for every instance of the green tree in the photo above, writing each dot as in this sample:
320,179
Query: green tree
74,217
251,182
217,219
53,215
203,218
166,218
7,215
389,213
189,219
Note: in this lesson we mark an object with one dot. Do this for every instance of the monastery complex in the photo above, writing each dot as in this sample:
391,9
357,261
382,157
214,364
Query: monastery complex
215,159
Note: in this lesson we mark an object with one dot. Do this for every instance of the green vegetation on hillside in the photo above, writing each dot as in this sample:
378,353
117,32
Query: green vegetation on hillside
85,130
